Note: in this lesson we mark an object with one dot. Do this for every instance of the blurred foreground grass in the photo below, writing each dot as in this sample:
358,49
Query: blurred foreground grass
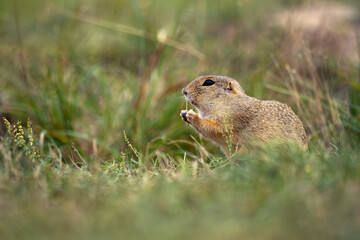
101,83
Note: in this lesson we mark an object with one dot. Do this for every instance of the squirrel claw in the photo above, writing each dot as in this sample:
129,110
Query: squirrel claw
183,115
188,116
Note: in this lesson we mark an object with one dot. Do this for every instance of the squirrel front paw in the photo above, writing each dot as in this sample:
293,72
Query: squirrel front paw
188,116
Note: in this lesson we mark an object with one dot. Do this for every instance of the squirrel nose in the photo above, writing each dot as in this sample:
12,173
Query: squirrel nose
184,91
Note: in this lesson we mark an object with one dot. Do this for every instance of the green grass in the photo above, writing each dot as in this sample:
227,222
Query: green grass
101,83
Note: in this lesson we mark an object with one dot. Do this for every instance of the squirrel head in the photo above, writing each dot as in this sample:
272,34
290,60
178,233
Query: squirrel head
209,93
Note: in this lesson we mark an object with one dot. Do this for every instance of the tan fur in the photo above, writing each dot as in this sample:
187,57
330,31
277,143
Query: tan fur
226,115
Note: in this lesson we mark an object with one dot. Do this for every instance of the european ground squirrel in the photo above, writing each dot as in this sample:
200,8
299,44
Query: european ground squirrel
230,118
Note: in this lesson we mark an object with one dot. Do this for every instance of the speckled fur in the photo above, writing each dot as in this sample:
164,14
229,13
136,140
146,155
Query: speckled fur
225,108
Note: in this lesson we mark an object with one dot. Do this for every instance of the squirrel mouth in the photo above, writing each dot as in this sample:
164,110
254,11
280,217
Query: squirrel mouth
193,103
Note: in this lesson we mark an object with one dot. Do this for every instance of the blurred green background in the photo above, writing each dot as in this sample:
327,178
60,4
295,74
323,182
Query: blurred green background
85,72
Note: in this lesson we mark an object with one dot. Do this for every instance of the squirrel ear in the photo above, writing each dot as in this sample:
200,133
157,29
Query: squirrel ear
234,88
229,87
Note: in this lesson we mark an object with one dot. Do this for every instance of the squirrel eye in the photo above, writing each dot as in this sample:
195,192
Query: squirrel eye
208,82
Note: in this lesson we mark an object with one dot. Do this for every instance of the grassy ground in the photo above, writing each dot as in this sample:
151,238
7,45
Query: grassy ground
107,155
